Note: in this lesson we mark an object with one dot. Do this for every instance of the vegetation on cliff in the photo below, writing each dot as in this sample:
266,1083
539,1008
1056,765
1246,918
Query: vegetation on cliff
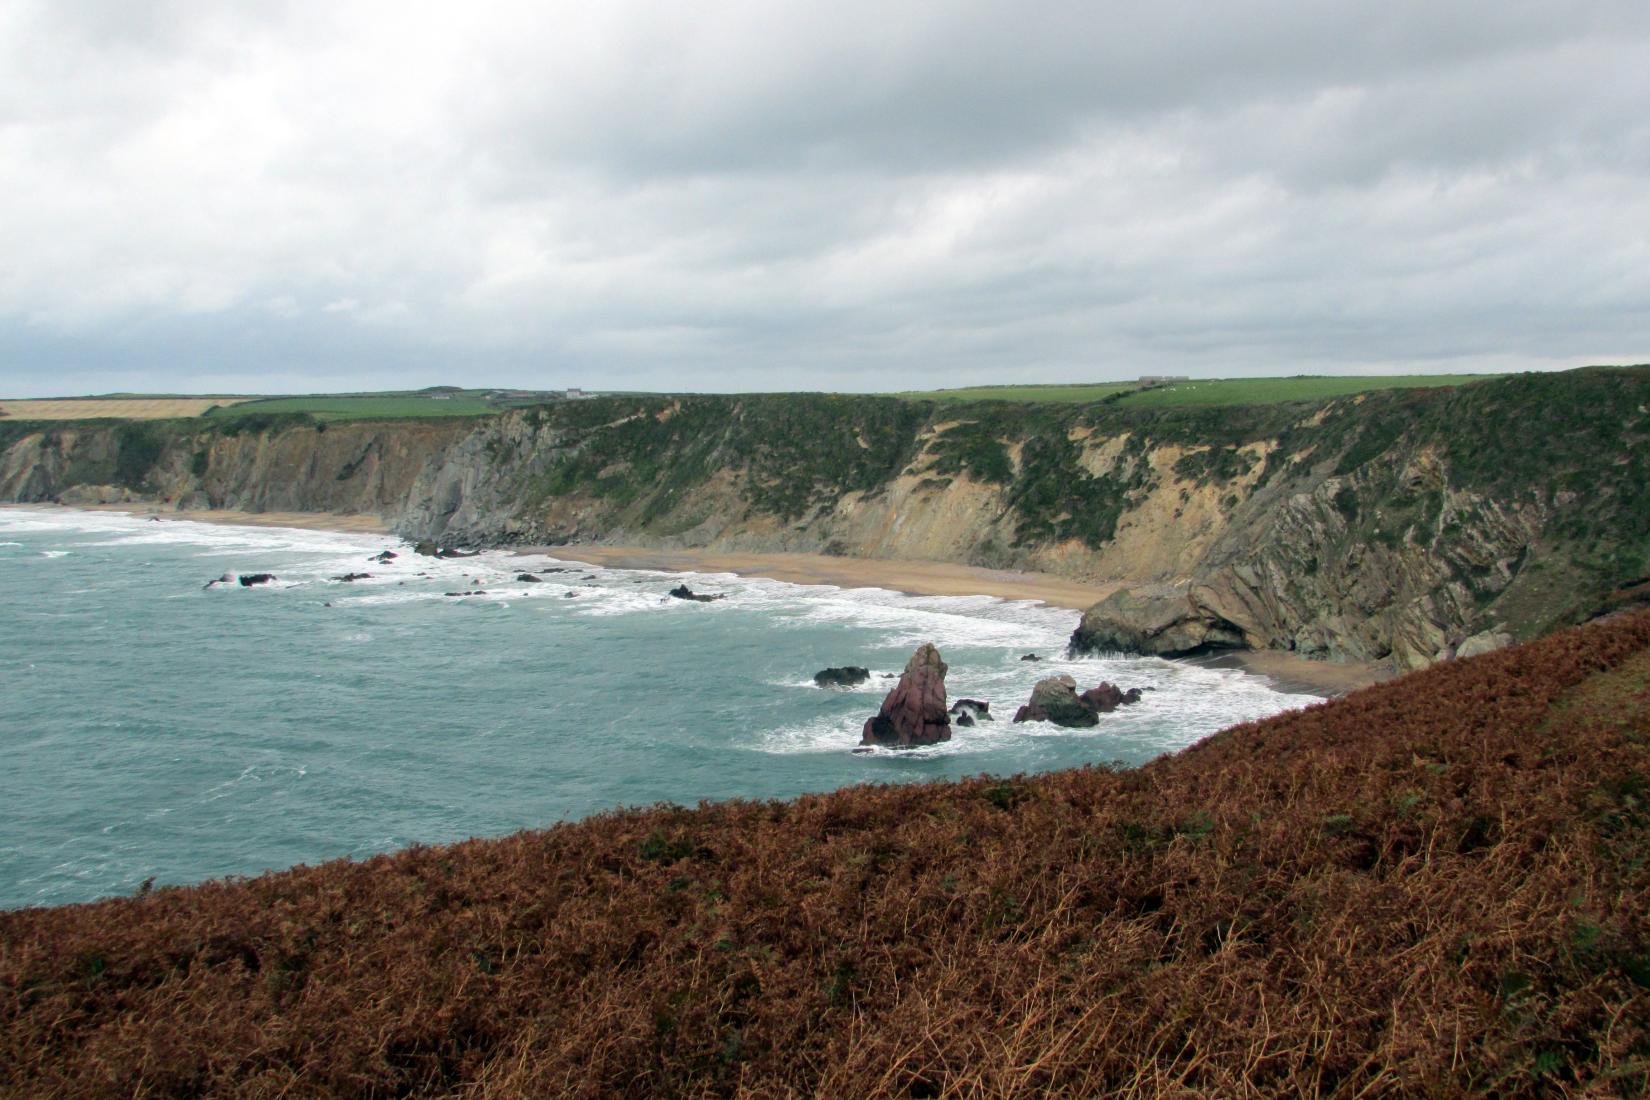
1435,886
1383,524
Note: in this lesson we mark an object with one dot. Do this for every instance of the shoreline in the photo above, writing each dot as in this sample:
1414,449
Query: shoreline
1286,671
354,524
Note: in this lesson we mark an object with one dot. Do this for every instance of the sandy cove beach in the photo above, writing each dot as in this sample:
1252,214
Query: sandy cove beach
917,578
931,578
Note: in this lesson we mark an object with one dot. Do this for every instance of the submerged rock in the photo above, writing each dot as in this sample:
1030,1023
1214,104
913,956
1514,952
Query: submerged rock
846,676
914,712
683,592
249,579
1031,657
227,578
348,577
965,719
528,578
386,556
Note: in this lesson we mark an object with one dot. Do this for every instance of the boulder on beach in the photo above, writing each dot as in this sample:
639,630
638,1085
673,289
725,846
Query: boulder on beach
249,579
914,712
846,676
683,592
1158,619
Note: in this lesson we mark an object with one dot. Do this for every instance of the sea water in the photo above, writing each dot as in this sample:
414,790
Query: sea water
153,728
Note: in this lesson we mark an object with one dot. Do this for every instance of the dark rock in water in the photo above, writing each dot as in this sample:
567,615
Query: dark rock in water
914,712
1156,619
227,578
250,579
683,592
472,592
1031,657
570,595
846,676
386,556
528,578
978,706
965,719
1055,700
429,549
1103,698
862,748
348,577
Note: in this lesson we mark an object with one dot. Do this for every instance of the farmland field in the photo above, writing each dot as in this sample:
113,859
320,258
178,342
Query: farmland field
366,406
1207,391
114,408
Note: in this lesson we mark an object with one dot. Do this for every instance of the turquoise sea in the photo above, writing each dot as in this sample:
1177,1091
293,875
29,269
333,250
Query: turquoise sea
155,729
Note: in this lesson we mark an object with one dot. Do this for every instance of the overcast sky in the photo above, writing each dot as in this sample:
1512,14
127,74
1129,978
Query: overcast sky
270,197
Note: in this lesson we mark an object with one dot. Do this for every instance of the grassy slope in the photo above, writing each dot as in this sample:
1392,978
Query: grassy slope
1436,886
1209,391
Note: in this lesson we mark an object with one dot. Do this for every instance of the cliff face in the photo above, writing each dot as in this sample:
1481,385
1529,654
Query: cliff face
1395,524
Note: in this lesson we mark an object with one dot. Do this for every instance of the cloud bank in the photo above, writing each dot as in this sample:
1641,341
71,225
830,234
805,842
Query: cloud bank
725,196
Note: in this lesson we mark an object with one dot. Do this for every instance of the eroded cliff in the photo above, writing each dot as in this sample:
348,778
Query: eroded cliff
1391,525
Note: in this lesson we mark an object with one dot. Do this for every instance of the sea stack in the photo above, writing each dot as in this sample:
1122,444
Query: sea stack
914,712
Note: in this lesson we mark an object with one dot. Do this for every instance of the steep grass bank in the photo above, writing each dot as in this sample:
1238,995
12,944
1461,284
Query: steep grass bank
1435,886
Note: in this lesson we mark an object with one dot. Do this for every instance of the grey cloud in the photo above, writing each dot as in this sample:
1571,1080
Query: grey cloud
734,196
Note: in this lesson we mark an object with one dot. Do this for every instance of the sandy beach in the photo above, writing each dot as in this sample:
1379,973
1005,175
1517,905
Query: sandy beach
930,578
918,578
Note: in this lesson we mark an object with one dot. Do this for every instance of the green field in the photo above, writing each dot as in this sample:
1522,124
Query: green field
363,407
1206,391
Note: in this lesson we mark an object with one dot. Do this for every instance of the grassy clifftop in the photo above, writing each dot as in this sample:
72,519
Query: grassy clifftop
1436,886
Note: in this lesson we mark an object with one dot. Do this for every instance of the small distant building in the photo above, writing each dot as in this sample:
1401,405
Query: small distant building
1163,379
574,394
441,397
